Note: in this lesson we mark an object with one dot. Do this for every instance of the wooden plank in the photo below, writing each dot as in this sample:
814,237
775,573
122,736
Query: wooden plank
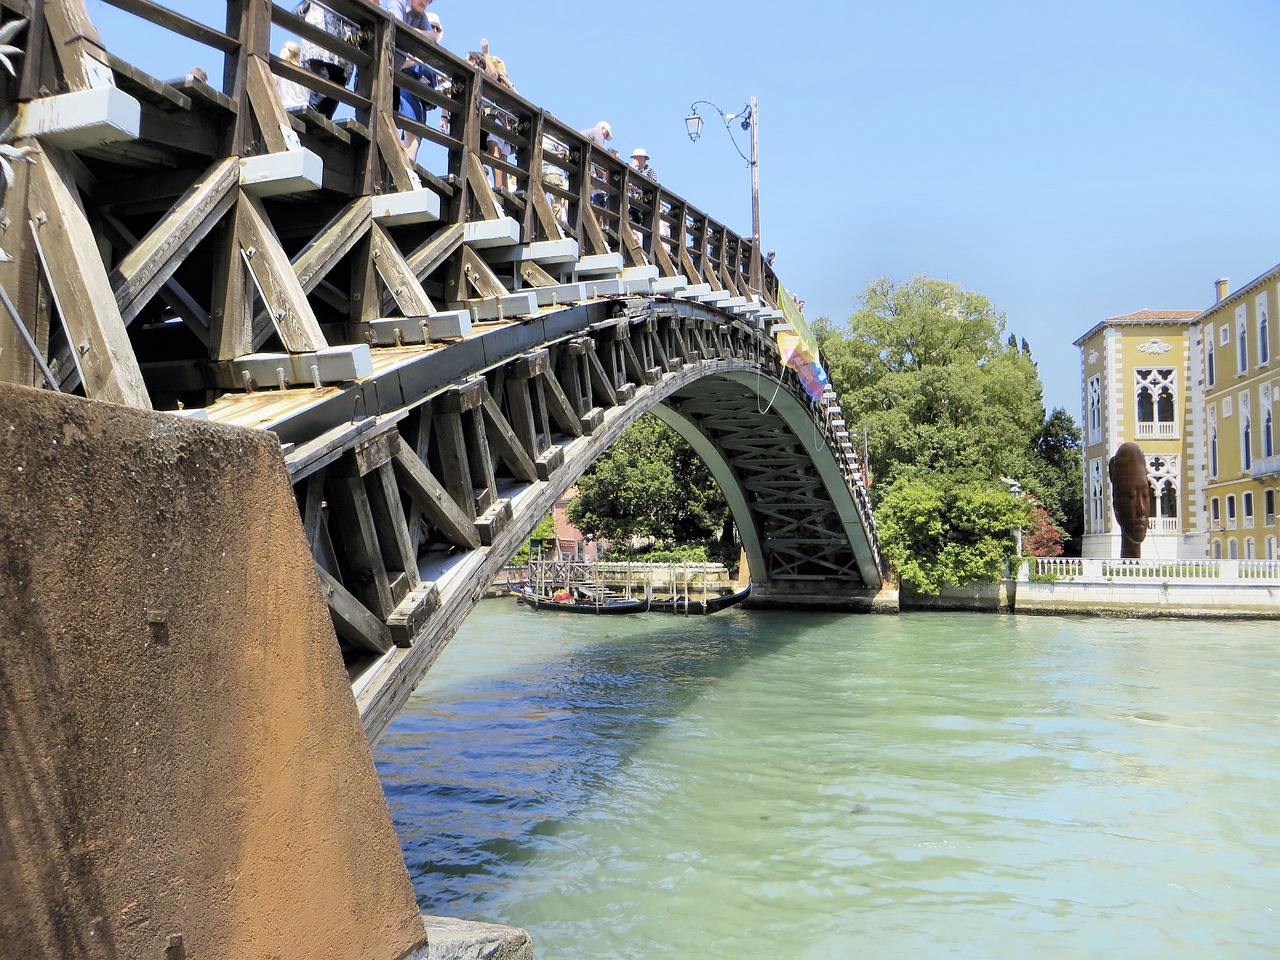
480,461
600,381
79,284
145,87
560,408
352,620
367,572
332,243
480,189
394,159
631,246
477,275
313,512
507,444
177,23
402,283
77,45
268,110
524,426
433,500
280,288
150,264
451,448
535,276
436,251
393,529
231,319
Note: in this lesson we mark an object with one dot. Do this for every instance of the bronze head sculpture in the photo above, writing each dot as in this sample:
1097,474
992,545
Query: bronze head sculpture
1130,497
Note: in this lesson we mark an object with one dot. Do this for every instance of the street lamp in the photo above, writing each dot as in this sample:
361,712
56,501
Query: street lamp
1015,490
750,120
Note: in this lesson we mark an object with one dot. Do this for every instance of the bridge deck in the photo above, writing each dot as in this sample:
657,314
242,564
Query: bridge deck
439,359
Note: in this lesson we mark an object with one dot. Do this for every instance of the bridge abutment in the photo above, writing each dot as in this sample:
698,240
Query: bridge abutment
182,767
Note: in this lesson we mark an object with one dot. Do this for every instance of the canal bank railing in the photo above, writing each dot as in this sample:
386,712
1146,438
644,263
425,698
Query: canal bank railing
1053,569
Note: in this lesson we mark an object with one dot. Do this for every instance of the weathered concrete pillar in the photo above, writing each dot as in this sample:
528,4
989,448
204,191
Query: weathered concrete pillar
182,769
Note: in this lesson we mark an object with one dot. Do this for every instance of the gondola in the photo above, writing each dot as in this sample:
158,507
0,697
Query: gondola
613,606
683,605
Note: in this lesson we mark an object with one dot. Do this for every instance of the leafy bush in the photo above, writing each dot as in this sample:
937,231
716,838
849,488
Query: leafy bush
936,534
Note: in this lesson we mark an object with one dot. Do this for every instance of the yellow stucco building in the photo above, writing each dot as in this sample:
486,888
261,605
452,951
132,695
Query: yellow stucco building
1195,390
1238,346
1139,378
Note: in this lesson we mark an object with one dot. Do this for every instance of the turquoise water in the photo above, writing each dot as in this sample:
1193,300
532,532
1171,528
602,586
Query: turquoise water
818,786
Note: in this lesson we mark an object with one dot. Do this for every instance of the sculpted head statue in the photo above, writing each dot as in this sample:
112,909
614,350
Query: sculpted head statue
1130,497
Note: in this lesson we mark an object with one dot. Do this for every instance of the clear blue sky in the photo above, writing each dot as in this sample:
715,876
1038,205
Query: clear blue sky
1072,161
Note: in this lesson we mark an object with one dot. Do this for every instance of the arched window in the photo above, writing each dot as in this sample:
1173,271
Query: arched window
1164,405
1242,345
1246,444
1213,453
1271,548
1146,408
1232,552
1217,549
1208,366
1264,348
1168,500
1268,441
1248,548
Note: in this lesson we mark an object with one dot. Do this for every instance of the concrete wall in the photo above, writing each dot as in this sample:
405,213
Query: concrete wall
182,769
1207,600
981,597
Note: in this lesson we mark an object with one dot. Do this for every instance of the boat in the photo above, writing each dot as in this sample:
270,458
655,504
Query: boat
571,604
688,605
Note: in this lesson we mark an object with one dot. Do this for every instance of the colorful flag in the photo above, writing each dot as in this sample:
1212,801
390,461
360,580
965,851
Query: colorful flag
798,347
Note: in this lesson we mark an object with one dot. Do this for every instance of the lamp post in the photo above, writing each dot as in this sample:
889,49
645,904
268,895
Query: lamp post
750,118
1015,490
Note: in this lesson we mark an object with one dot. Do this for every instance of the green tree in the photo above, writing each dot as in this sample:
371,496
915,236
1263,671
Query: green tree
649,483
545,530
937,534
924,368
1051,471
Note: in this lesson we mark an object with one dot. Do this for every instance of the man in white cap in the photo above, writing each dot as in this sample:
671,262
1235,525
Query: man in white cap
599,134
640,161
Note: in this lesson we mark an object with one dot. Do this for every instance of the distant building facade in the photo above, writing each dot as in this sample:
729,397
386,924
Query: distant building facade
1242,403
1196,390
1139,374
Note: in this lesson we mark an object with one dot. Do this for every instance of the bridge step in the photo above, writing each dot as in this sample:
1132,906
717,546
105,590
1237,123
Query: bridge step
411,614
282,370
277,174
85,118
394,331
406,206
493,522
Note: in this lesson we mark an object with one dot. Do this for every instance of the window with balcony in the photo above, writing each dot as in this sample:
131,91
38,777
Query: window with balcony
1215,514
1246,503
1154,393
1162,474
1231,511
1268,507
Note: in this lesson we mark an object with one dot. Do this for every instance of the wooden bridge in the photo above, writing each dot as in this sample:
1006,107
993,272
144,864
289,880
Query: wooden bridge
440,360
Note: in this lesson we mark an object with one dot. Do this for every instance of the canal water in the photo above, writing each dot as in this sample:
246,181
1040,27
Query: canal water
765,785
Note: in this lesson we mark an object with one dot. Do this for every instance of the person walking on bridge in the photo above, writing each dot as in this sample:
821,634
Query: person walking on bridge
413,13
